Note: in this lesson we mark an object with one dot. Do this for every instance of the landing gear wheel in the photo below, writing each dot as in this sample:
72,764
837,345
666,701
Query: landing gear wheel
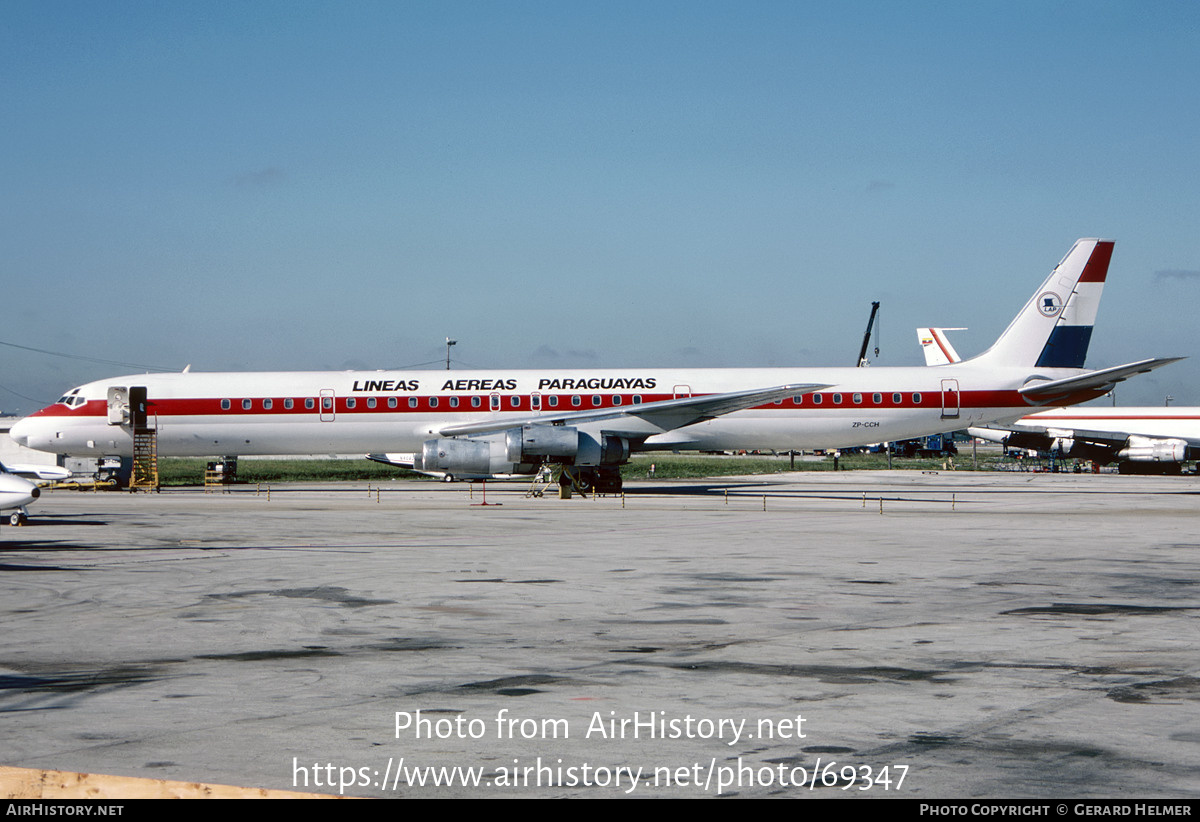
448,478
17,518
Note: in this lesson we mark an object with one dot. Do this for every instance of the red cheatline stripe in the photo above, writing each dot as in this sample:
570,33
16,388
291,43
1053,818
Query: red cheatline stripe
177,407
938,339
1108,417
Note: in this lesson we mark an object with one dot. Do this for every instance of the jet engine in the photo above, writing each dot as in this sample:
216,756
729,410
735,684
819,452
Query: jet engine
1150,449
520,450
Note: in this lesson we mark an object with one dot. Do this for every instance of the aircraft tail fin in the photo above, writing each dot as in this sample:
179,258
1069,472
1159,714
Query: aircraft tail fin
935,345
1054,328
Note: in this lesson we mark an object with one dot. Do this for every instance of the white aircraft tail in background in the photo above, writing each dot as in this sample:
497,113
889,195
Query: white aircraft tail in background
937,349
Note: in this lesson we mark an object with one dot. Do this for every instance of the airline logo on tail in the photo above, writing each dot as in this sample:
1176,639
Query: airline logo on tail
1054,329
1051,304
1067,345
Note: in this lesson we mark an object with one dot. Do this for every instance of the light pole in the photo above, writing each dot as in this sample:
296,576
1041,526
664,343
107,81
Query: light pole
449,342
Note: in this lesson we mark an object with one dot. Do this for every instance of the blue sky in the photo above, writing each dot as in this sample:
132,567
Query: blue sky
312,185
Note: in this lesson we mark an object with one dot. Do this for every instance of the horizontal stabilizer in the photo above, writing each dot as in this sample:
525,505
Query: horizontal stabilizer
398,460
1101,380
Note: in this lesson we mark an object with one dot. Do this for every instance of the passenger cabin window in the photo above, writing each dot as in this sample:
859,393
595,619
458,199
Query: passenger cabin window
475,402
454,402
310,403
246,404
393,402
288,403
370,402
798,400
494,404
837,399
225,405
857,399
817,399
616,399
412,402
637,399
268,404
433,402
515,402
553,402
897,399
916,399
596,400
350,402
877,398
576,400
327,403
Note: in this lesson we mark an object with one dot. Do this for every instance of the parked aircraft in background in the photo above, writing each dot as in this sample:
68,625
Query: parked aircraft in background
483,423
15,493
37,473
1138,439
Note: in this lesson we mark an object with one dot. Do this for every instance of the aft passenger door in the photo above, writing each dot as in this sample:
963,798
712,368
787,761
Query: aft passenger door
328,402
951,400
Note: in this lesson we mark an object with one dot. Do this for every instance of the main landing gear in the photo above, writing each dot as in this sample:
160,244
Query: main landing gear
601,480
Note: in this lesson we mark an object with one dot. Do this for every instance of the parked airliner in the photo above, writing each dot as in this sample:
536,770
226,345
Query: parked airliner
483,423
1139,440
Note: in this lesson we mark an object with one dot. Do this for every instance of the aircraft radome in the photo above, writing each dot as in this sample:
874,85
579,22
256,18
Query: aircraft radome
482,423
15,493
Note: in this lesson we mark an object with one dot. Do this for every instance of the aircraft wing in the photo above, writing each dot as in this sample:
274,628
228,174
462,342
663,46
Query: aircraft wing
1101,380
644,419
1104,437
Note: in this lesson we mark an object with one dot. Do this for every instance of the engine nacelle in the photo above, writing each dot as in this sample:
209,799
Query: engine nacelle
1149,449
1063,446
607,449
463,457
541,443
520,450
560,443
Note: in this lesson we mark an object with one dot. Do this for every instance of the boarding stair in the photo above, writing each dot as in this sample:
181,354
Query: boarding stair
145,460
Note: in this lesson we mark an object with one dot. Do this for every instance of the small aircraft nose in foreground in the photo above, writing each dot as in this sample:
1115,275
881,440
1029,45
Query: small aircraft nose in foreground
16,493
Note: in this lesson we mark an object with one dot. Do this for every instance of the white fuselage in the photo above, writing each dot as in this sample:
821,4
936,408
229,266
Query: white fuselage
1152,421
349,412
16,492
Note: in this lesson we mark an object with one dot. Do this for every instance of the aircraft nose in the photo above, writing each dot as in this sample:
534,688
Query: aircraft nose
20,431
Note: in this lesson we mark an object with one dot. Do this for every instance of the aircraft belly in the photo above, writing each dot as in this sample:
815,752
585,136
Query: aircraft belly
761,430
259,437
